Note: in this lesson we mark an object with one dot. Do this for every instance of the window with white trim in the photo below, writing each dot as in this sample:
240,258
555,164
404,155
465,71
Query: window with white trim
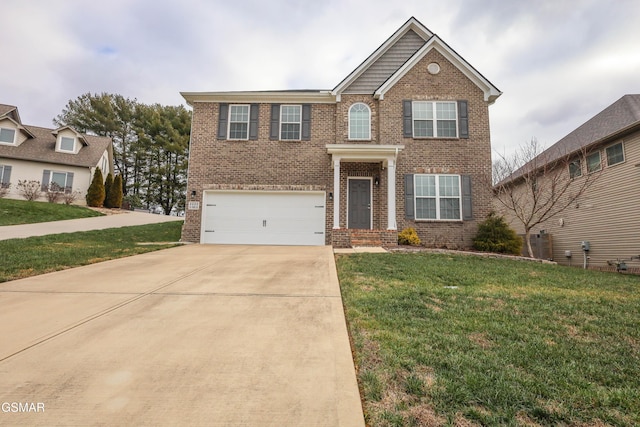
5,176
290,122
593,162
615,154
67,143
435,119
575,168
7,135
59,181
360,121
238,122
437,197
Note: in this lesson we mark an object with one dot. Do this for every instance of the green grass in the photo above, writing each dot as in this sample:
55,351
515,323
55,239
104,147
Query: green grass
13,212
37,255
449,340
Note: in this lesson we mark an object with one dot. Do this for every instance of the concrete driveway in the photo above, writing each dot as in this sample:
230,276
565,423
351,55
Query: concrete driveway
195,335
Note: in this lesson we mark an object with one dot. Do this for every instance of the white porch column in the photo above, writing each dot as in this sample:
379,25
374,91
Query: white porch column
391,195
336,193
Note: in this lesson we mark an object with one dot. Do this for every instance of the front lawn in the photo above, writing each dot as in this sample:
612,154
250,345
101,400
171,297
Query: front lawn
37,255
13,212
462,340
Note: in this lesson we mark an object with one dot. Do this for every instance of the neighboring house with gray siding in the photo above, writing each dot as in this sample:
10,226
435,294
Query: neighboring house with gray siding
60,159
607,215
402,141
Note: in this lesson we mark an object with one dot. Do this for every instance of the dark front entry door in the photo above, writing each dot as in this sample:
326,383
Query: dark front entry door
360,203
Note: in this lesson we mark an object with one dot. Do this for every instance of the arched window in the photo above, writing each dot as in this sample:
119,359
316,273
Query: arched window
359,121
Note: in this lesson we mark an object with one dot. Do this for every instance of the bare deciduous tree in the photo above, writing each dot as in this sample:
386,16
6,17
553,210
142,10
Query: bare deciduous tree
535,185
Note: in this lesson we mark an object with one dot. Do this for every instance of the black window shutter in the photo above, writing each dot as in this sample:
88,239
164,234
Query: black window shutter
467,208
6,176
223,117
274,130
44,185
463,120
306,122
253,121
407,119
69,187
408,197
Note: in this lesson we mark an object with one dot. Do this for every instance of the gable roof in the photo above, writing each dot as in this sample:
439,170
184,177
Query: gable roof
10,111
40,146
398,54
615,121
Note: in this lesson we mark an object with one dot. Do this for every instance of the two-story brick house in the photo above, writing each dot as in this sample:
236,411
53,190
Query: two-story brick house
402,141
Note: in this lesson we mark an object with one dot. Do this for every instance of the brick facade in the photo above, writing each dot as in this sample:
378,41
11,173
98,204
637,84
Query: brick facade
266,163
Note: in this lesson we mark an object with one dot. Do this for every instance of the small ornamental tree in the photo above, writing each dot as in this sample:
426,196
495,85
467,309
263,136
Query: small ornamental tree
95,193
108,183
494,235
115,194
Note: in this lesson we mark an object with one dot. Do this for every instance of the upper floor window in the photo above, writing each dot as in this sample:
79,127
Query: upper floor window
67,144
437,197
7,135
290,121
593,162
615,154
359,121
238,122
575,169
434,119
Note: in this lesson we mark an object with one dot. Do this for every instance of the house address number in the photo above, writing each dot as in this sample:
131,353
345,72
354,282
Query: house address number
194,206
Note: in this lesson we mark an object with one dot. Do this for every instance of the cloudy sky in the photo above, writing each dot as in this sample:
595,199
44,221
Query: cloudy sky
558,62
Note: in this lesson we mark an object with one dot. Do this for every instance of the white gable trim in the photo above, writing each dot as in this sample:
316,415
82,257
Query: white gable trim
491,93
17,126
80,137
411,24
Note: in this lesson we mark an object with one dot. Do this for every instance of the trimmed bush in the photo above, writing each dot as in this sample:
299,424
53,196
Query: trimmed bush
495,235
95,194
409,236
115,194
108,183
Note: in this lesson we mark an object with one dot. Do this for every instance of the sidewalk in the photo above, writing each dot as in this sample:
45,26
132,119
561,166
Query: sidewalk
124,219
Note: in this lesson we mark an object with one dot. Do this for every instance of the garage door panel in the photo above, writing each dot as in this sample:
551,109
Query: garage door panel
264,218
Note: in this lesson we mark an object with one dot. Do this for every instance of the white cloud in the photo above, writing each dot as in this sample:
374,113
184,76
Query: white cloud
558,62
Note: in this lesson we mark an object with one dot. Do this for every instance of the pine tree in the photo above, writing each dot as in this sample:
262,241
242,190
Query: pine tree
108,183
95,193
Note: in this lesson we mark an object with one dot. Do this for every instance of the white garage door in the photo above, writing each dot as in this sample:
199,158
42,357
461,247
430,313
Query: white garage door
264,218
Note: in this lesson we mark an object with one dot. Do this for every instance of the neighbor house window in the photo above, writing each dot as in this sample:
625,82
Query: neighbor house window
437,197
238,122
67,144
359,121
593,162
5,176
7,135
575,169
615,154
434,119
290,121
57,181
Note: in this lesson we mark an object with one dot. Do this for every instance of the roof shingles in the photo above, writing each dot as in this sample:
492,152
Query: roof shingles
41,148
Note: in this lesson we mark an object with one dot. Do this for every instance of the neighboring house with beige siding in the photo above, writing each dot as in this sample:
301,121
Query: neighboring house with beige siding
402,141
62,159
607,215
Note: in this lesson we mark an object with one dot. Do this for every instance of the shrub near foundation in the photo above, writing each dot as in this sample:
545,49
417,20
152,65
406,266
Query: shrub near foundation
409,236
495,235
